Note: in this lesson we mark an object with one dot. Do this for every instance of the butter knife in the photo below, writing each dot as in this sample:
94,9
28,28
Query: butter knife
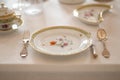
93,50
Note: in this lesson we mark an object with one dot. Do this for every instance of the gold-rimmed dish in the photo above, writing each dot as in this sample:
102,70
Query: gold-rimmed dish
89,13
60,40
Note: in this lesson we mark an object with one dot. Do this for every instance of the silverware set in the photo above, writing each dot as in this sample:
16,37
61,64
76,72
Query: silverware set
102,36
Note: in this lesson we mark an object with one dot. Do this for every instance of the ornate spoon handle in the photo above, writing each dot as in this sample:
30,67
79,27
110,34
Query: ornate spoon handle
24,51
102,36
105,52
26,37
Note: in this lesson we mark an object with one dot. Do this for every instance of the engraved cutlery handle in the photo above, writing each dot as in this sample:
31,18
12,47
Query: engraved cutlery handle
105,52
24,51
26,37
93,50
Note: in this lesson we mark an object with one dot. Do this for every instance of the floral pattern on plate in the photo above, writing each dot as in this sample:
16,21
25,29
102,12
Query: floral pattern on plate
60,40
89,13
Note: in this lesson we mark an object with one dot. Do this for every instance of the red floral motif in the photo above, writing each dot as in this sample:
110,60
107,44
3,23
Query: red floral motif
89,13
5,26
62,42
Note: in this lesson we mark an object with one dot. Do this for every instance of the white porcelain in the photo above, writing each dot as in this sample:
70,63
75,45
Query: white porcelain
60,40
13,25
71,1
8,18
4,11
89,13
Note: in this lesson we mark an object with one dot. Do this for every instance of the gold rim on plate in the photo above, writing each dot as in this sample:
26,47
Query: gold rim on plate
76,12
43,36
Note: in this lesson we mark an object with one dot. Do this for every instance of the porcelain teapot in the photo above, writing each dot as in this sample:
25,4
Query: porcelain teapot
8,17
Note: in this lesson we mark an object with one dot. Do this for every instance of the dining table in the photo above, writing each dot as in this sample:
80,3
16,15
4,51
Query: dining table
81,66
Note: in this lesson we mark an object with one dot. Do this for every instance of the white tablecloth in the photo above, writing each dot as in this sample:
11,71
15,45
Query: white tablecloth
38,66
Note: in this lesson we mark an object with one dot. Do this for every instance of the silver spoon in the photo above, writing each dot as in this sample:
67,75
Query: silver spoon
102,36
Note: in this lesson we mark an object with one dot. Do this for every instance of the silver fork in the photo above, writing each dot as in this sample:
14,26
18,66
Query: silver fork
25,39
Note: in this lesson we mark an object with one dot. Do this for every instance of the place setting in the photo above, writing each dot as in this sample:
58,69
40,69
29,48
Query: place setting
60,40
57,41
68,40
74,40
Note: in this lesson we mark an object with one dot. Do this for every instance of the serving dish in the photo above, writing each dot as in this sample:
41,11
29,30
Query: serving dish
89,13
60,40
